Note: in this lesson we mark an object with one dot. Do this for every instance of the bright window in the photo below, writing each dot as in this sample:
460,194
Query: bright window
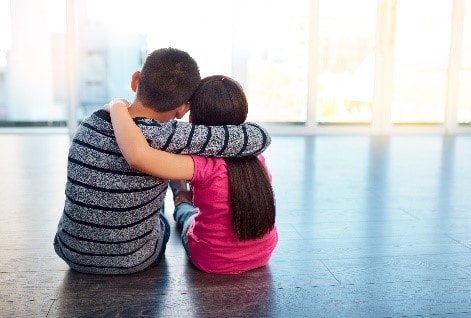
421,57
323,65
347,61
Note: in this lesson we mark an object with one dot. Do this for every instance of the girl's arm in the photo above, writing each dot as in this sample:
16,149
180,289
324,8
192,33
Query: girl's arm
140,155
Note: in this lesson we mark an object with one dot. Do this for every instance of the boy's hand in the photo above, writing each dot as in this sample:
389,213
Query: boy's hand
116,101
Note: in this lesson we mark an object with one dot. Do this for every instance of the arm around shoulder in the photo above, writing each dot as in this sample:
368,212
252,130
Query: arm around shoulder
140,155
222,141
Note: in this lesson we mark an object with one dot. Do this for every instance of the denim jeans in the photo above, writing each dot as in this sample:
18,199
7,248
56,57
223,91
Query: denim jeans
184,215
166,225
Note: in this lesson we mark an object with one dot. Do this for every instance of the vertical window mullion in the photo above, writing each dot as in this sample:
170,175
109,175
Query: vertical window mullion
381,119
71,53
313,66
456,43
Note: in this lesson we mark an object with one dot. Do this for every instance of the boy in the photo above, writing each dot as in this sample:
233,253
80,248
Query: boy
111,223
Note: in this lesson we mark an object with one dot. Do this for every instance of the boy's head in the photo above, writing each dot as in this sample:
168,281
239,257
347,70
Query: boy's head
168,79
218,100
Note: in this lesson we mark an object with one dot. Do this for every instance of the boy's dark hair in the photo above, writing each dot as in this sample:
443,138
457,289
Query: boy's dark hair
168,79
220,100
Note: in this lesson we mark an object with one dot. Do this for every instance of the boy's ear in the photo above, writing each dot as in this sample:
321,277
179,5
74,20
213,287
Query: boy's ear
182,110
135,80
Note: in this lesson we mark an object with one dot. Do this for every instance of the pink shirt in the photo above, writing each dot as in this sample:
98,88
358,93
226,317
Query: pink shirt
212,242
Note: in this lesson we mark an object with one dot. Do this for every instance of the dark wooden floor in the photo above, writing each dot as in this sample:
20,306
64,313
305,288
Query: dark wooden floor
369,227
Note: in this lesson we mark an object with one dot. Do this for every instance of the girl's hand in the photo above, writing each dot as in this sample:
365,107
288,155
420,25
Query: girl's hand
117,101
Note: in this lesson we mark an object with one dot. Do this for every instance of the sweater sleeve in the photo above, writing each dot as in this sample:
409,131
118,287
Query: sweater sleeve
221,141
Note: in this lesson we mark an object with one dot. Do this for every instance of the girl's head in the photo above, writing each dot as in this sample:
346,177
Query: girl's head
218,100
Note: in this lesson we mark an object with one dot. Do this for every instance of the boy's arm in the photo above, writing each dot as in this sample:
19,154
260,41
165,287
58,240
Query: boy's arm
221,141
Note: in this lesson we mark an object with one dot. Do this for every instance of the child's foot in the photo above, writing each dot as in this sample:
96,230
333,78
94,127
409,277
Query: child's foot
183,196
180,192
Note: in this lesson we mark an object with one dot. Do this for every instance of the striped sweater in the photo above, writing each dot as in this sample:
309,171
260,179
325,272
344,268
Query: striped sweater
110,222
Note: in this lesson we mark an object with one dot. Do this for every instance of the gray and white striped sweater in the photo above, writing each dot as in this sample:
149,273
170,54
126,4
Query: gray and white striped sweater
110,222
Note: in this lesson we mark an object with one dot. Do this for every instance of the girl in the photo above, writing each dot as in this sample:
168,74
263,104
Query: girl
233,229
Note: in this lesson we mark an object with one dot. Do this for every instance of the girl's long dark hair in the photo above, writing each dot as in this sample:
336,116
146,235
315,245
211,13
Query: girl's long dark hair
220,100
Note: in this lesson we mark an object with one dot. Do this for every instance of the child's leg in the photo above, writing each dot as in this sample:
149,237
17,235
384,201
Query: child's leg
165,226
185,212
184,215
183,202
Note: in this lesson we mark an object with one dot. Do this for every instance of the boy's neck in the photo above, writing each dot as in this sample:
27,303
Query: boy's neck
138,110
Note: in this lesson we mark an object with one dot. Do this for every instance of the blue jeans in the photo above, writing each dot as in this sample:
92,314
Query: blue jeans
184,215
166,237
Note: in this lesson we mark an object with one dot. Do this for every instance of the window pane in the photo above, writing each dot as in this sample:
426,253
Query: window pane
111,50
5,44
263,46
32,65
421,51
464,102
265,49
347,61
270,58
